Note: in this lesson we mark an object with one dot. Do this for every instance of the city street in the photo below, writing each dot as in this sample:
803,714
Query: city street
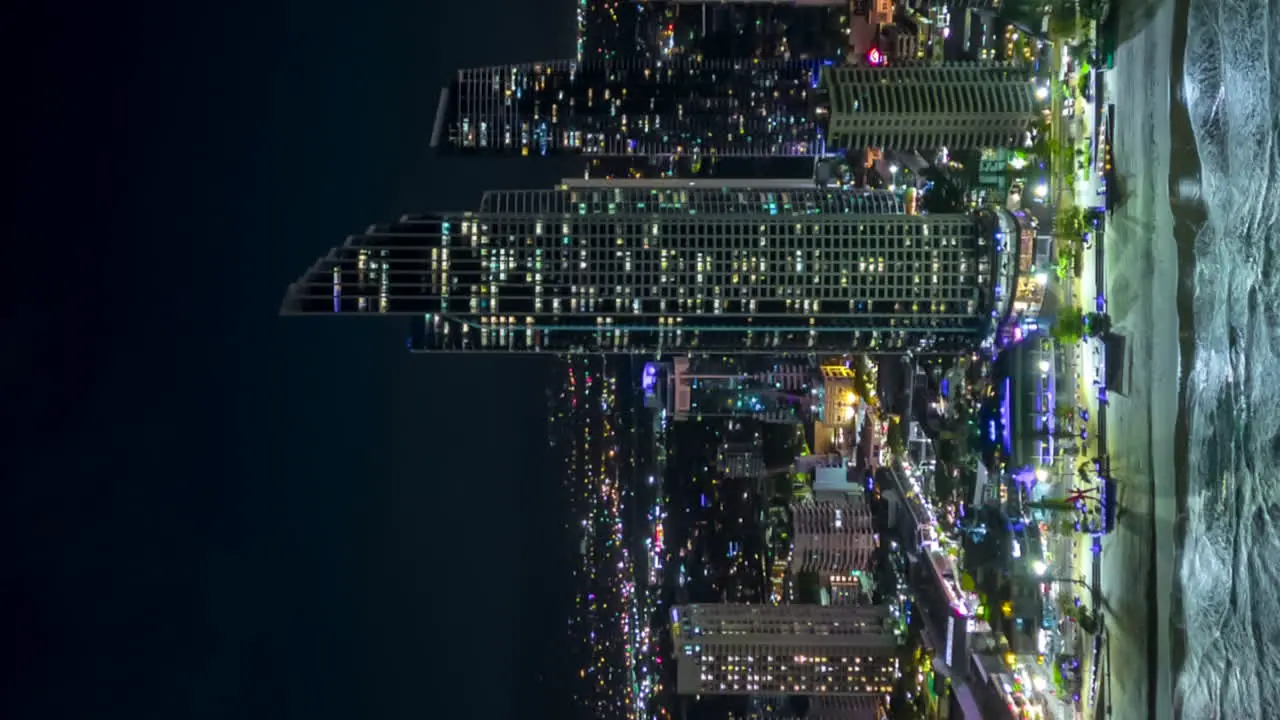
1077,368
1141,286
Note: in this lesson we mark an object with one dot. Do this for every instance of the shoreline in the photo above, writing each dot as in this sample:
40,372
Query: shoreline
1144,286
1184,162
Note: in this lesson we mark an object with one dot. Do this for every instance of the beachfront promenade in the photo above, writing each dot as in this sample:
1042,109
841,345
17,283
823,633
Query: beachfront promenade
1140,263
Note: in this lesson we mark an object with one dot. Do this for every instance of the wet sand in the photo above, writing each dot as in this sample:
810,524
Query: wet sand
1189,216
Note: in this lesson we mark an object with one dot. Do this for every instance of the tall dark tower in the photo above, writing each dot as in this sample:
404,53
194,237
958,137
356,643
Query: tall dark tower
651,267
604,107
678,30
751,29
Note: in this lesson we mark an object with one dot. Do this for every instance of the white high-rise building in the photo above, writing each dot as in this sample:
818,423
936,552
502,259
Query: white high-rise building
832,537
926,107
725,649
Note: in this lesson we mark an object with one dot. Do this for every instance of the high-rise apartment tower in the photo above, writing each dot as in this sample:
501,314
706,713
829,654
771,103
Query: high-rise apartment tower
617,267
925,107
725,649
832,537
633,107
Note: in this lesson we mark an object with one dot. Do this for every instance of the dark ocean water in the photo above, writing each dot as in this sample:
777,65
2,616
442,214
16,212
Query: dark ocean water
1229,576
211,512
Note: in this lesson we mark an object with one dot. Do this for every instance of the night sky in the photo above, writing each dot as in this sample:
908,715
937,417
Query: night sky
213,512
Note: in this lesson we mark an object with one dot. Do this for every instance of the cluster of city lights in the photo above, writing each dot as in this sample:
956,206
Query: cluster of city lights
620,676
623,563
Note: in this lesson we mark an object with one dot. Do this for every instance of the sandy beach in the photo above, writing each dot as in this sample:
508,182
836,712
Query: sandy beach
1141,256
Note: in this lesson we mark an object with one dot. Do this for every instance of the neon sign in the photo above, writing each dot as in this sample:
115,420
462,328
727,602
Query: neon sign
649,379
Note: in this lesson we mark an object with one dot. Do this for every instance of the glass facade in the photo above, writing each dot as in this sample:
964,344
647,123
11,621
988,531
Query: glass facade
642,270
636,107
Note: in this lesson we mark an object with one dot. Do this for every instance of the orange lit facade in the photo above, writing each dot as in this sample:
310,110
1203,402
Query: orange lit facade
881,12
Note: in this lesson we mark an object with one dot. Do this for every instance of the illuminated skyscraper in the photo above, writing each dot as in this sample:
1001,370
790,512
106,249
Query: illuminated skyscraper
725,649
675,266
832,538
925,107
732,107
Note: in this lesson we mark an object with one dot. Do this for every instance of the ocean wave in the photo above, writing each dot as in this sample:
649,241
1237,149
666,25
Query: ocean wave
1229,573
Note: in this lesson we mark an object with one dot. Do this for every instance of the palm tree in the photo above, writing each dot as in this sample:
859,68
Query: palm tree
897,438
1095,10
1062,23
1097,324
1027,15
1069,223
1062,268
1084,85
1082,52
1069,327
1063,526
1040,146
1072,326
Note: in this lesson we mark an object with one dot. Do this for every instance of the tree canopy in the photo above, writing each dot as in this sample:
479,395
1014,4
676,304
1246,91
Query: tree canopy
1072,325
1097,324
1069,327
